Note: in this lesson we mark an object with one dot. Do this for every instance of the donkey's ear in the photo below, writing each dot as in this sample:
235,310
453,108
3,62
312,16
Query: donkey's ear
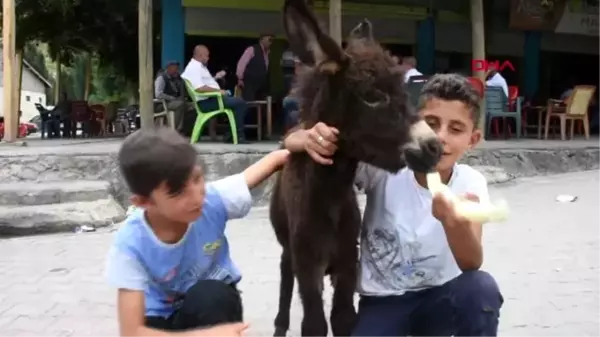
364,30
307,40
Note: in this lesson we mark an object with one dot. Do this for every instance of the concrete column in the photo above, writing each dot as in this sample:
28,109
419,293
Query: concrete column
478,49
173,32
531,65
426,45
335,20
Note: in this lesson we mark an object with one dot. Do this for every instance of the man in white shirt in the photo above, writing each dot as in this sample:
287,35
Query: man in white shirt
494,79
202,81
410,66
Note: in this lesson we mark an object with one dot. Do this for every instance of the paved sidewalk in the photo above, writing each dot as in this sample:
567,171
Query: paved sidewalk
545,260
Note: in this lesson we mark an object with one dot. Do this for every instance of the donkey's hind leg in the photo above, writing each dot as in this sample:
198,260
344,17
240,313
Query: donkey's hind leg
286,289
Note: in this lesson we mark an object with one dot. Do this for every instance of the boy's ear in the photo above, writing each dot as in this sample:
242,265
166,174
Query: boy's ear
139,201
310,44
475,138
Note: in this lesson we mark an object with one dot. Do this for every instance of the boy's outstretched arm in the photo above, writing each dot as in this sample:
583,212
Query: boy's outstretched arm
265,167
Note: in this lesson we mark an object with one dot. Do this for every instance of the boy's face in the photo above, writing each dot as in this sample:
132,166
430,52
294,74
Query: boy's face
453,123
183,208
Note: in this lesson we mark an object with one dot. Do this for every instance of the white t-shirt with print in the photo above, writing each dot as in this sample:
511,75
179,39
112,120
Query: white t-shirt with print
403,247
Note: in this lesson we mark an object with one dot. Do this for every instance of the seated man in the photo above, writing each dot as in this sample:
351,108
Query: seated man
202,81
168,86
60,114
494,79
290,103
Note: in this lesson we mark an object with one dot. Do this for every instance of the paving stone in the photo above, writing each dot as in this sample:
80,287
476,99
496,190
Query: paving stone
544,258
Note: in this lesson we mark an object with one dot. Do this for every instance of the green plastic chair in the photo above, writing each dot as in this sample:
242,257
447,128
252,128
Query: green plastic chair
203,116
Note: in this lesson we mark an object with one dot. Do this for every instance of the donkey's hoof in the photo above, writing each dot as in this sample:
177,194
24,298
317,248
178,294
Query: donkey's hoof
280,332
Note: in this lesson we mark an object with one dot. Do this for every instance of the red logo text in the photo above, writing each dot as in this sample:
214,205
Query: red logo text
485,65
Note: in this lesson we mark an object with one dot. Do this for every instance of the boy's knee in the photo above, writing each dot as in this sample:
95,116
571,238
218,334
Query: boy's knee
479,292
210,302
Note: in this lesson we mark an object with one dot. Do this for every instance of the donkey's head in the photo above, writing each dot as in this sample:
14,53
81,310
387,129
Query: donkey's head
360,91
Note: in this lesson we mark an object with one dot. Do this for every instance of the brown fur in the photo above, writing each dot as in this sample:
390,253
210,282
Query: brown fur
314,211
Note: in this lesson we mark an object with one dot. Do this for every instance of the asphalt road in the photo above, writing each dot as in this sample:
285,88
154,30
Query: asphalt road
545,259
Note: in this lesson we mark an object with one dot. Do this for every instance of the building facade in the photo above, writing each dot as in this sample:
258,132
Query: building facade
515,28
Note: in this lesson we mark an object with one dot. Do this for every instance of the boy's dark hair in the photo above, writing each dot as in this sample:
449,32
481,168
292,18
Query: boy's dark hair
452,87
148,158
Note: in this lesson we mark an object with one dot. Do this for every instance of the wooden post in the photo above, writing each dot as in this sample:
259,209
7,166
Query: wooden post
335,20
145,63
16,96
57,83
8,59
478,47
88,77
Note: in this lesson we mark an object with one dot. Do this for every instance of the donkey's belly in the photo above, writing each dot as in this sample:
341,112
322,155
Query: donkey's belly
330,234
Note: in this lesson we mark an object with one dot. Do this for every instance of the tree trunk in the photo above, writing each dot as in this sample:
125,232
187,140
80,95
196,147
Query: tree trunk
8,59
145,63
19,77
478,47
88,77
335,20
57,83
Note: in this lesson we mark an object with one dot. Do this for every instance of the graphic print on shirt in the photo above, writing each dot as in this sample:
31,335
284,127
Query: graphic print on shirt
180,278
403,261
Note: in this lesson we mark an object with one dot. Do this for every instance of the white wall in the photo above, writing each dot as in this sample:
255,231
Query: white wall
30,82
28,100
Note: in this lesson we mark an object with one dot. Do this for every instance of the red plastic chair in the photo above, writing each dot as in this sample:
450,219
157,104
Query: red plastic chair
478,84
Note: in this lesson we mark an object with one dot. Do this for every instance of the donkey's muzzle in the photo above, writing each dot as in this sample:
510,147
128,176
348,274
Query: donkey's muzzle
425,158
424,150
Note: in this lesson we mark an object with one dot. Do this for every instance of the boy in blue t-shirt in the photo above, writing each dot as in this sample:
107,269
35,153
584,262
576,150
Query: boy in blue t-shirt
170,260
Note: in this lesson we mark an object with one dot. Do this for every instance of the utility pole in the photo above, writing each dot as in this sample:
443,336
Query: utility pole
335,20
478,47
11,115
145,63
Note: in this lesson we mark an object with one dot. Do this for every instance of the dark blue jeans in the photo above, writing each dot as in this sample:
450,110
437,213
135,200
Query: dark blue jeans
291,111
236,104
469,305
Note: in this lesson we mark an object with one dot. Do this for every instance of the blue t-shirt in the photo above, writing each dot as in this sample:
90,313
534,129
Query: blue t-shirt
138,260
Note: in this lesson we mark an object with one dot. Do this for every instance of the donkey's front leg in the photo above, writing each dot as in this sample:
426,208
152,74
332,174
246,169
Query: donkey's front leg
343,313
310,272
344,273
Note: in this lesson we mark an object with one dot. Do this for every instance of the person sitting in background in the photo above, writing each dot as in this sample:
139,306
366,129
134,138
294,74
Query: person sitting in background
61,113
494,79
288,68
168,86
202,82
409,64
290,102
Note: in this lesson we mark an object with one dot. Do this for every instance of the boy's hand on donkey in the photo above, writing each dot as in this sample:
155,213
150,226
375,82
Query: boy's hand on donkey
321,143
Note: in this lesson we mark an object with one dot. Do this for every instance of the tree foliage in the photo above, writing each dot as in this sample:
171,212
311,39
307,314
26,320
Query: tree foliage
107,28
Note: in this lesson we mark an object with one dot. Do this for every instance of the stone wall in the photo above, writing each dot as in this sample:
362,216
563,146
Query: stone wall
103,166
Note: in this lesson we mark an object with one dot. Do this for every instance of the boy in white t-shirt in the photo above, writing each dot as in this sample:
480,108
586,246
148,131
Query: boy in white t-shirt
419,268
